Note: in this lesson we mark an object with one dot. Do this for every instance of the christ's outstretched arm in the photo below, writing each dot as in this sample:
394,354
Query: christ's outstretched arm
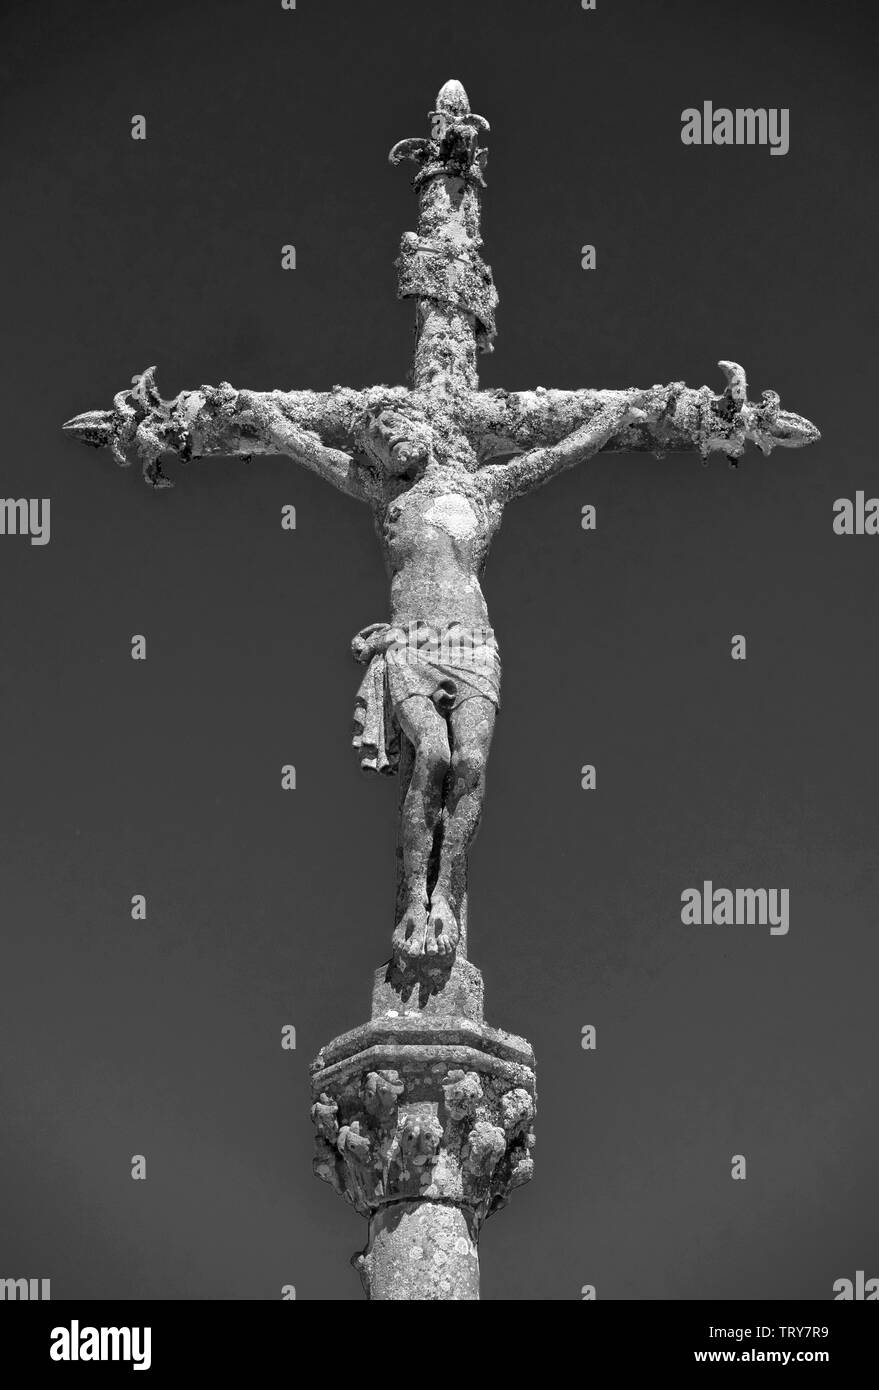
616,411
511,422
307,426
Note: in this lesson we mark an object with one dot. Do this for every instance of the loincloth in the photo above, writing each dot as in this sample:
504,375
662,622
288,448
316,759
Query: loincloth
448,665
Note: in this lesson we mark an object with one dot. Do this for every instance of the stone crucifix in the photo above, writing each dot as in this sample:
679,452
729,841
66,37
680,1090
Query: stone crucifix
437,462
424,1114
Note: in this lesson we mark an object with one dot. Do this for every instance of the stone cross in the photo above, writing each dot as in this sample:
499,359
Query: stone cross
424,1114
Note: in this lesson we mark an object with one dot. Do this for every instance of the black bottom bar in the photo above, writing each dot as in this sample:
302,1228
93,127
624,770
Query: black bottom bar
220,1338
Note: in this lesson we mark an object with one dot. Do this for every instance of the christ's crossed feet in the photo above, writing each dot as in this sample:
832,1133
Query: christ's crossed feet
426,929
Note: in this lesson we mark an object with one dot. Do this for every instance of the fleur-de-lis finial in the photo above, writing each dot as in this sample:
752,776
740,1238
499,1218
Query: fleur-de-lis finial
452,148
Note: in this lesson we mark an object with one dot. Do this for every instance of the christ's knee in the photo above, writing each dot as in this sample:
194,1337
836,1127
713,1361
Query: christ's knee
468,770
432,758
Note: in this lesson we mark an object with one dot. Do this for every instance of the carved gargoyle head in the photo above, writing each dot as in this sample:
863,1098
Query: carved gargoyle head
462,1092
381,1091
353,1144
485,1146
736,420
325,1114
419,1138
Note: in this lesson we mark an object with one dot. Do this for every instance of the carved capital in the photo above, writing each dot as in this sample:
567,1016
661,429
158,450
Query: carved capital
449,1124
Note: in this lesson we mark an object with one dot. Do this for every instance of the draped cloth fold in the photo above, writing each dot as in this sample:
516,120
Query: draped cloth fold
376,732
448,665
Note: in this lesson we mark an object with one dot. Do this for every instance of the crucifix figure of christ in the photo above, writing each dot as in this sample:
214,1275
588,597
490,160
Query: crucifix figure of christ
437,461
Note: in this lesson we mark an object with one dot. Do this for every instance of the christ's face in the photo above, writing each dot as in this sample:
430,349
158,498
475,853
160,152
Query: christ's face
399,443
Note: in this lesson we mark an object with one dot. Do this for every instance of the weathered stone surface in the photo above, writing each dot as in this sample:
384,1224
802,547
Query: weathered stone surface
434,464
451,273
419,1251
456,994
444,1119
424,1114
424,1123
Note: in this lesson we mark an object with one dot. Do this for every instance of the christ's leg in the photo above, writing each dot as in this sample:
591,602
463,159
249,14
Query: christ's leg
427,731
471,726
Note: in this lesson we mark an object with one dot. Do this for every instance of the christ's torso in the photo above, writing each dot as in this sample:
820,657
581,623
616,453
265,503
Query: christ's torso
436,537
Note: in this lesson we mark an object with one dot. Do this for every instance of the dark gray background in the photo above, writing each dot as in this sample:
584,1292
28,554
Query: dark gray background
265,908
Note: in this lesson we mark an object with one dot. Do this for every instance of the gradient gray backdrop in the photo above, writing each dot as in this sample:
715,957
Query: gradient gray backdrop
163,1038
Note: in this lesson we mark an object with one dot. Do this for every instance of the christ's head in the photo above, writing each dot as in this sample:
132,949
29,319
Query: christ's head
398,442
